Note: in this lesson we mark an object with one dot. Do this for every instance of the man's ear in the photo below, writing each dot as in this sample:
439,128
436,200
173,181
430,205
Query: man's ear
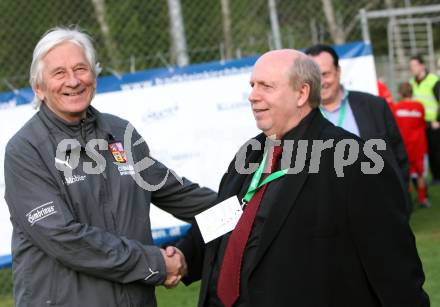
304,95
38,89
338,72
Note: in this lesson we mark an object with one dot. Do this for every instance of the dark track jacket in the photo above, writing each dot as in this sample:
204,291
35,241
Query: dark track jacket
81,235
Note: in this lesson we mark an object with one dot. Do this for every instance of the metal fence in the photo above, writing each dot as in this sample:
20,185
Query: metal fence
132,35
411,30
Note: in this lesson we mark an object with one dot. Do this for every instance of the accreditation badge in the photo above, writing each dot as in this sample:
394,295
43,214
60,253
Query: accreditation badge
118,152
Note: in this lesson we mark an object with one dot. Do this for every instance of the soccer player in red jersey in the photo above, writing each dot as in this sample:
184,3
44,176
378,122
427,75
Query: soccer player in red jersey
410,116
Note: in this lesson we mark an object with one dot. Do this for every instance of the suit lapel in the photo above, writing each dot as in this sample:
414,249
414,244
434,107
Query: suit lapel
233,181
360,114
291,187
232,185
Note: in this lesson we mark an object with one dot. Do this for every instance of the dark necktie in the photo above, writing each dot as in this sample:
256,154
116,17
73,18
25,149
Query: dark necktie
228,285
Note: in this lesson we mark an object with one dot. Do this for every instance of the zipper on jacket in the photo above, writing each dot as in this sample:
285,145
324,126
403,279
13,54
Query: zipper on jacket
83,130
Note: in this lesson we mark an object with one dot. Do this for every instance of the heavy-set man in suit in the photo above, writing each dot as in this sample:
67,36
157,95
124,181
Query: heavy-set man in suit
363,114
319,237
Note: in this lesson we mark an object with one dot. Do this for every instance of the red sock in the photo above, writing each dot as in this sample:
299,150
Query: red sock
422,194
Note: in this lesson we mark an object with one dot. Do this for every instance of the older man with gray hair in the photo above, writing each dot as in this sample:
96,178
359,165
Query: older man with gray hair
81,226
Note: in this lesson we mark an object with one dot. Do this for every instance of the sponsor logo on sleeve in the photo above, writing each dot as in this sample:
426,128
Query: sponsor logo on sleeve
41,212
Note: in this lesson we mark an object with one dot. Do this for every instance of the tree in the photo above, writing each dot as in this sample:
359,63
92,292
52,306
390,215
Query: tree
112,50
227,34
338,30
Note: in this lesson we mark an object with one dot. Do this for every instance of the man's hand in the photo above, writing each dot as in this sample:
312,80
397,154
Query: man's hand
175,264
435,125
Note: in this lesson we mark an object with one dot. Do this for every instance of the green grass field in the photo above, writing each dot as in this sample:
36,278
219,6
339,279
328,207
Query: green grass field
424,222
426,226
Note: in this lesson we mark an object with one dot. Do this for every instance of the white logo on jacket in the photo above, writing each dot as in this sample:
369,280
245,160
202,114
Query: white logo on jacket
409,113
126,169
40,212
75,178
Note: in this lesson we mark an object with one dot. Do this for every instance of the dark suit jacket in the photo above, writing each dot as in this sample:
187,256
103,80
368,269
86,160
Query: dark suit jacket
375,120
328,240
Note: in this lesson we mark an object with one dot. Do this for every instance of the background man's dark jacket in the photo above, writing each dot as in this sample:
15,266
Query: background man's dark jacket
375,121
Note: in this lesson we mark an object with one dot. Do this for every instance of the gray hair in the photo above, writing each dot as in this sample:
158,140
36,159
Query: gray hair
50,40
304,70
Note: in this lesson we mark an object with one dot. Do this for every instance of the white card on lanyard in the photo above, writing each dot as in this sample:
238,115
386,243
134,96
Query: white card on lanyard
220,219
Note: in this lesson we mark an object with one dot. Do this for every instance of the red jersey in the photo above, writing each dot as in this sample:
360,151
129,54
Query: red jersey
384,92
410,117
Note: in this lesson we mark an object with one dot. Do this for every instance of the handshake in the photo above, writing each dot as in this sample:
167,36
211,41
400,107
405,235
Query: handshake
175,265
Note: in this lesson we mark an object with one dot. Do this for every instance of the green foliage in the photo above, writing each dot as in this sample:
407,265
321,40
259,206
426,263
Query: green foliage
6,299
5,282
22,23
250,26
138,35
203,23
139,29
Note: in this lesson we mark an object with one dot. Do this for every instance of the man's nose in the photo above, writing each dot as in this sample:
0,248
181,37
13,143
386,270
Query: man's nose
253,95
72,80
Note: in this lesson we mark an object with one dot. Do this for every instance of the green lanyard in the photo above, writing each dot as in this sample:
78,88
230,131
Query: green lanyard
254,186
341,113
